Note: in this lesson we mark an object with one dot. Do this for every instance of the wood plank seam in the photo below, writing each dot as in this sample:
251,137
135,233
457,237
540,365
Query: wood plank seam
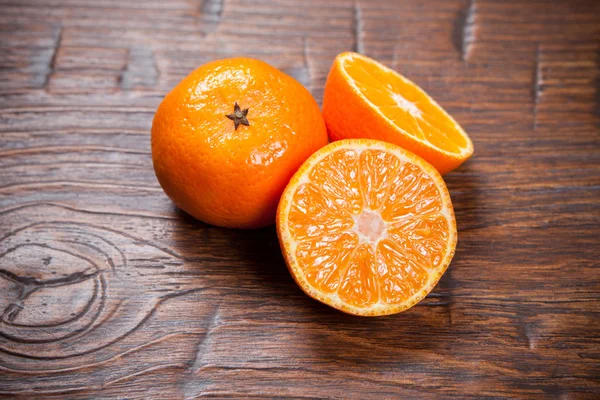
357,28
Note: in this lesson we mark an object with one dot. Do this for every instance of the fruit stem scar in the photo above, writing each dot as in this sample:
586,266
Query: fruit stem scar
239,116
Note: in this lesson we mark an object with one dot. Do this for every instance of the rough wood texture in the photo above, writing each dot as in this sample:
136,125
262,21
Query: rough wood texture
108,291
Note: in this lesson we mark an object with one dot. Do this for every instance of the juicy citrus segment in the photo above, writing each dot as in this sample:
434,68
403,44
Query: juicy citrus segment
365,99
423,238
359,285
315,214
338,174
321,264
401,277
377,171
366,227
412,192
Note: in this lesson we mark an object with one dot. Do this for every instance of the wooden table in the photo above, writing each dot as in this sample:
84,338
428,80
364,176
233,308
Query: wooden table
108,291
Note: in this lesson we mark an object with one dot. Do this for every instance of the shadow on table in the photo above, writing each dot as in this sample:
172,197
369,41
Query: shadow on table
253,262
465,187
251,257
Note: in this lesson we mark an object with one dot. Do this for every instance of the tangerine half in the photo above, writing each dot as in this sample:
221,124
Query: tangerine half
365,99
366,227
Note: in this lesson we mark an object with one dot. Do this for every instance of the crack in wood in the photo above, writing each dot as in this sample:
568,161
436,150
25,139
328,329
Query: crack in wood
210,12
141,70
212,8
306,64
357,28
79,164
196,363
79,131
144,371
87,184
127,235
67,149
438,295
537,85
30,284
302,73
464,30
81,210
102,362
77,107
192,387
69,389
52,62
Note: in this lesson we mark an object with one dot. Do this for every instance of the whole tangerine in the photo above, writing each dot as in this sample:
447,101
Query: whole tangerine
228,138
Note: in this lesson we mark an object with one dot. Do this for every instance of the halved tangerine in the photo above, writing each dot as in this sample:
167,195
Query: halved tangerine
366,227
365,99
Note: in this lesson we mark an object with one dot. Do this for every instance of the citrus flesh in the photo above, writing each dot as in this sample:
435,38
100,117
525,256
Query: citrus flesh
366,227
365,99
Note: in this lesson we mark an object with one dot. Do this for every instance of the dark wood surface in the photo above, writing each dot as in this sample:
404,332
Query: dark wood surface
108,291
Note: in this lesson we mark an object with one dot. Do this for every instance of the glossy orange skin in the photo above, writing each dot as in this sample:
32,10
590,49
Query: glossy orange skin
227,177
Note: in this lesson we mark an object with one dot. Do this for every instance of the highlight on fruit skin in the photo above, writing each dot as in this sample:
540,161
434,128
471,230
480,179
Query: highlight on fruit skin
365,99
366,227
227,139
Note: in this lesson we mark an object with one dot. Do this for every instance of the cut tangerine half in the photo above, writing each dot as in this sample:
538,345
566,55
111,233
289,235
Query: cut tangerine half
366,227
365,99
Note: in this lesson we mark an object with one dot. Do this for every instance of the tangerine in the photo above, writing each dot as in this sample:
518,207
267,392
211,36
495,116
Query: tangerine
227,139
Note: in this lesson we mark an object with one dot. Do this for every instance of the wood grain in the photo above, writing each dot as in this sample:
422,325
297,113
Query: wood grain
108,291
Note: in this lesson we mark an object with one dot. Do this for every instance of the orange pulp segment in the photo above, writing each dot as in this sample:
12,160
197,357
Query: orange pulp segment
366,227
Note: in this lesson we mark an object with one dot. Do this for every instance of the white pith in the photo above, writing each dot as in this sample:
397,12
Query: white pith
407,105
370,227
